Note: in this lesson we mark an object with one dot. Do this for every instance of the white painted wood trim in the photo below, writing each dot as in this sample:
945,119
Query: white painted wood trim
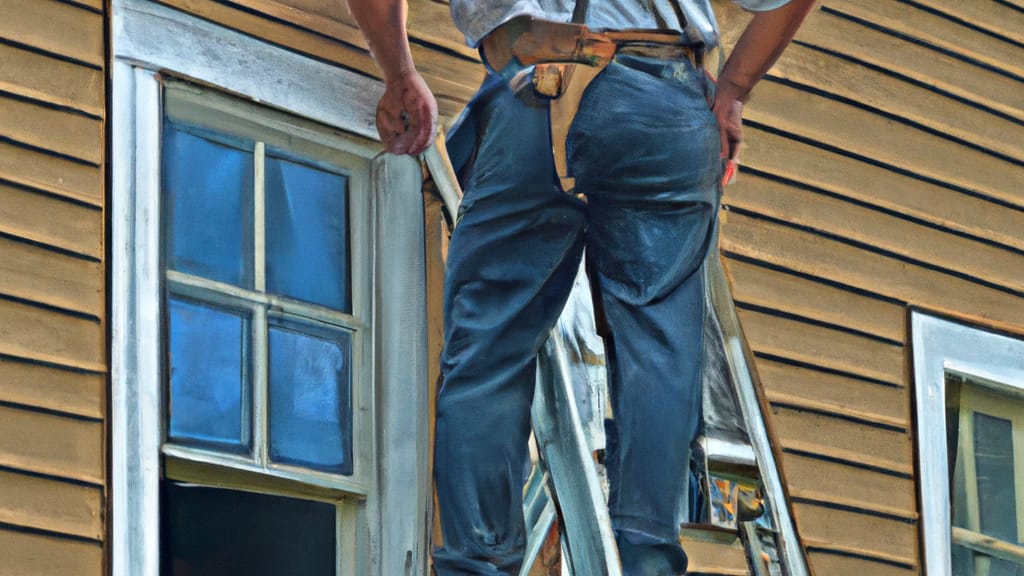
401,337
136,415
160,38
941,346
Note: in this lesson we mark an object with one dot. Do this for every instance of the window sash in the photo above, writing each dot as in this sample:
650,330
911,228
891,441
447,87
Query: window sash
207,109
975,398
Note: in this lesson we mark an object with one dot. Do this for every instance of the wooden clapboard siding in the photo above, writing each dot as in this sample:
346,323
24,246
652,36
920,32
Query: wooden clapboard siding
865,134
48,220
52,387
47,504
812,479
853,532
813,387
938,31
49,173
52,444
452,70
44,78
40,553
41,274
69,134
863,182
58,28
810,208
827,561
756,285
53,355
883,169
944,73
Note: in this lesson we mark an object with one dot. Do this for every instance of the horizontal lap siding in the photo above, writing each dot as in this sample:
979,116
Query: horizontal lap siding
882,170
53,356
326,31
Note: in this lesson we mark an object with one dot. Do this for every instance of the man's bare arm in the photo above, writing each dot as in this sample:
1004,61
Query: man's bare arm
759,47
407,112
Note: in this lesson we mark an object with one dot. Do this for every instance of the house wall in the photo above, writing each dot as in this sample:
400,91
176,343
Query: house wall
882,171
53,358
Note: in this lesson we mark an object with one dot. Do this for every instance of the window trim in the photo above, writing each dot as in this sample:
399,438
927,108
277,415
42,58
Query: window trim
939,346
149,40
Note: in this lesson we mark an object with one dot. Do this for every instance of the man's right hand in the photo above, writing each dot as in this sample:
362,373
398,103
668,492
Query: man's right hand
407,115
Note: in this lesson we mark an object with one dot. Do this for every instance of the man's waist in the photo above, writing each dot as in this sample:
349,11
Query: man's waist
527,41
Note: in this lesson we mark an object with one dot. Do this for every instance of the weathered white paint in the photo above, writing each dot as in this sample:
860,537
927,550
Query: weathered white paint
941,346
160,38
136,414
401,340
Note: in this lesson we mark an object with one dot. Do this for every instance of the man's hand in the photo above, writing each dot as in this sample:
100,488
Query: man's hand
728,110
407,115
407,112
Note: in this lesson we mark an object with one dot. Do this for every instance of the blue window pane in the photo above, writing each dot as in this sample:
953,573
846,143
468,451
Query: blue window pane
993,458
307,234
310,400
220,532
209,390
208,190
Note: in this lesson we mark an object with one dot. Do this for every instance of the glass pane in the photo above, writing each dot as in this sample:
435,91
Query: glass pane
218,532
993,456
208,192
962,560
307,234
209,396
310,400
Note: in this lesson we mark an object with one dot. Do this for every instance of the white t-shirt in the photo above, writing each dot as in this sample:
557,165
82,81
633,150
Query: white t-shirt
476,18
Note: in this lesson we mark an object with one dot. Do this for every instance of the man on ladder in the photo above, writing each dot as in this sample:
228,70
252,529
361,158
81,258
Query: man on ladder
607,101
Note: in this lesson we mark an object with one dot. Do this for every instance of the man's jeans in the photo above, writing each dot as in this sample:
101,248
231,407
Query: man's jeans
644,149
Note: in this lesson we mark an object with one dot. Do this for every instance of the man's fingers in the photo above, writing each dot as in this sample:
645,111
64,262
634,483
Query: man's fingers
423,127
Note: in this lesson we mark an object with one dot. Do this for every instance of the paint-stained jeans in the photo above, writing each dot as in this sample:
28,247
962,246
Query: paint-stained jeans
644,149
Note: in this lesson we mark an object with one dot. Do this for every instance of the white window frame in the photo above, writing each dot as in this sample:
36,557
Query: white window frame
942,346
150,41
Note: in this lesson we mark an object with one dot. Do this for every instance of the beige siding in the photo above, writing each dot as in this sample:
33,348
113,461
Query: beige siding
53,355
26,553
882,171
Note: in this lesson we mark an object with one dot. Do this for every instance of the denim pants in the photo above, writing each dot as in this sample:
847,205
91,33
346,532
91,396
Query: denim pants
644,149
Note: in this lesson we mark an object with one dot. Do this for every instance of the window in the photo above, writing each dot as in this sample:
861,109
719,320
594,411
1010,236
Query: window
970,384
268,317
